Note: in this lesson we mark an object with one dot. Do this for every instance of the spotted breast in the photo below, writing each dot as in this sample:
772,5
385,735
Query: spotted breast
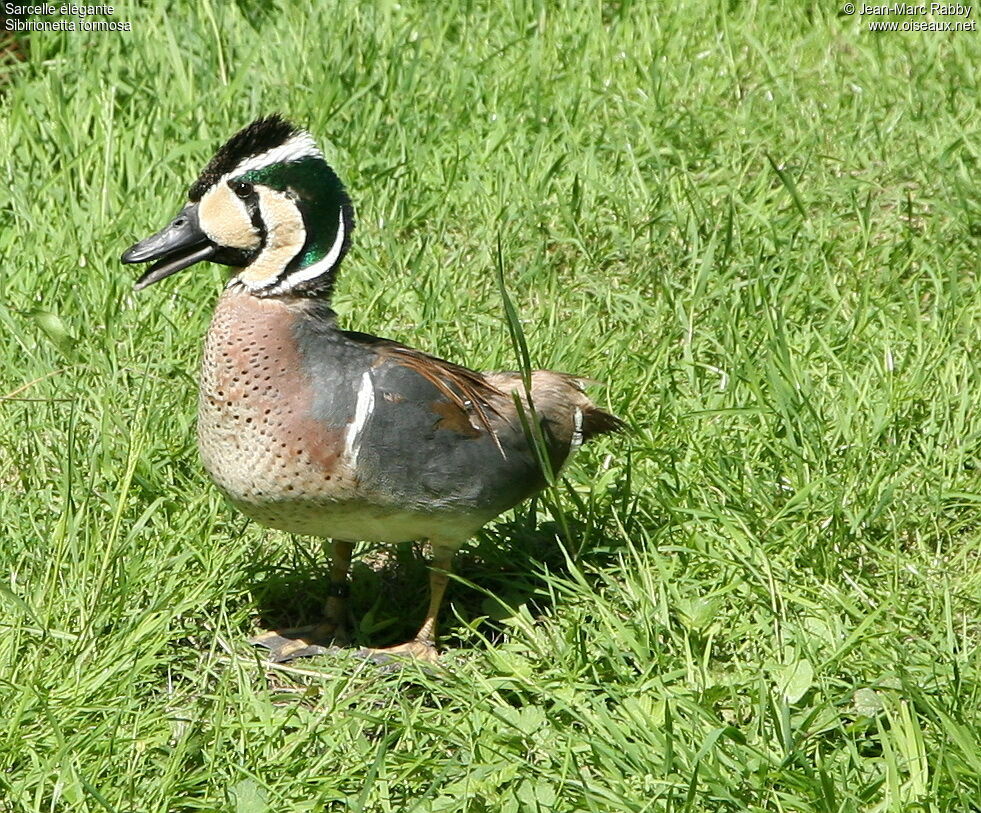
304,427
256,433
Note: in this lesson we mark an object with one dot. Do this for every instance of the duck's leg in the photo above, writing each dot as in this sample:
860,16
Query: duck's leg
423,646
316,639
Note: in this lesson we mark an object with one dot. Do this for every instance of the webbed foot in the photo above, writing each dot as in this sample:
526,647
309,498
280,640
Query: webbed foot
301,642
417,650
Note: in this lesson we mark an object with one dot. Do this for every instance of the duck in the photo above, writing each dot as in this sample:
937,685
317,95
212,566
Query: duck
312,429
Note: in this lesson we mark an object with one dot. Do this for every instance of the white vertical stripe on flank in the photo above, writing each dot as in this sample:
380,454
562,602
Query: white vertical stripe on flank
362,411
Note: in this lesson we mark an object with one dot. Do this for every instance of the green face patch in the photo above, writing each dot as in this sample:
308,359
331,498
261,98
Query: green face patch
320,197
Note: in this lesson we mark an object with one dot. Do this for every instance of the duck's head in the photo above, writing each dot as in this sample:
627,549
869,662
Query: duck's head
267,204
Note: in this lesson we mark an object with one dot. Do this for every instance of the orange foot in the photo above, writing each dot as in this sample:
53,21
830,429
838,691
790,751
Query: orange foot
301,642
417,650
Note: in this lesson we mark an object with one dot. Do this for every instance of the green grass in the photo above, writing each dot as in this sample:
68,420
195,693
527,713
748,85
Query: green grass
759,226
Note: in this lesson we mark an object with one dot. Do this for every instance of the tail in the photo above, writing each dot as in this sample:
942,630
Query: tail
561,400
596,421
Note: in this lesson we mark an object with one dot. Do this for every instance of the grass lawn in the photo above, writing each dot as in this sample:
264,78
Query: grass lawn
760,226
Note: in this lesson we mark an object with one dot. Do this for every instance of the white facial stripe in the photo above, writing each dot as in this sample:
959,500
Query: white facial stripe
320,267
294,148
285,236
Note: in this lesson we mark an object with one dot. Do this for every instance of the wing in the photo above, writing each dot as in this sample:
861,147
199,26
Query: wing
470,392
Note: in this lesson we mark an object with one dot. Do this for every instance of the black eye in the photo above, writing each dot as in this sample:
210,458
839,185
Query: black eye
241,188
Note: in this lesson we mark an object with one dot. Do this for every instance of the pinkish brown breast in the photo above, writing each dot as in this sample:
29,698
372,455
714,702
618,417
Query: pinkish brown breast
256,434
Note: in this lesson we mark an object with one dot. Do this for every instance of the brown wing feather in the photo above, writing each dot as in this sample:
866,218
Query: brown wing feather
464,388
483,393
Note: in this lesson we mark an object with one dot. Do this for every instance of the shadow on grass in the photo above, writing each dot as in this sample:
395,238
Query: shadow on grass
505,564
